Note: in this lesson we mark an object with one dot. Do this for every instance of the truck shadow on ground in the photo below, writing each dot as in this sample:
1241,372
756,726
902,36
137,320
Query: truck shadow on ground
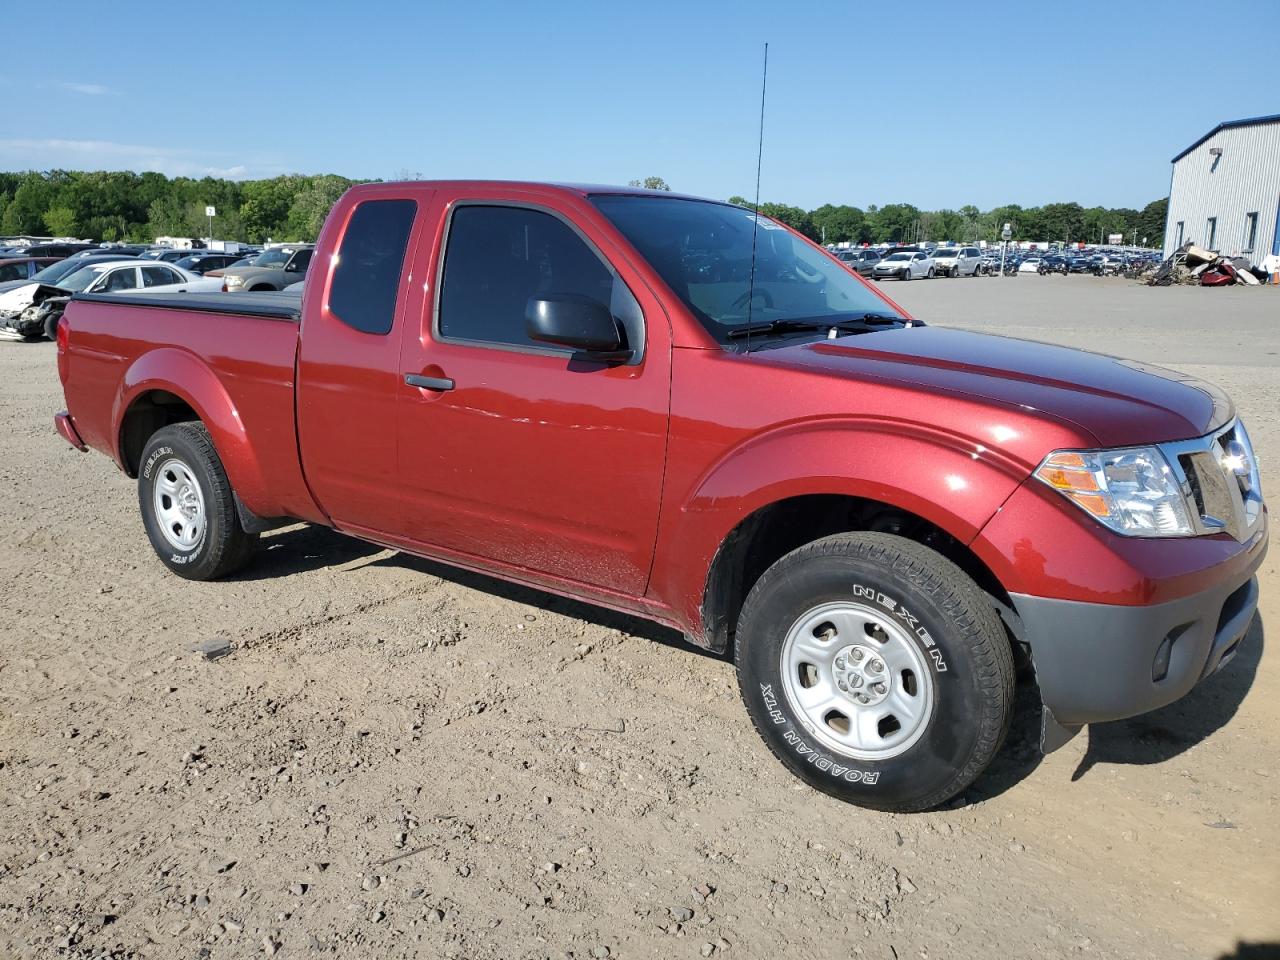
550,602
1165,733
1151,738
301,549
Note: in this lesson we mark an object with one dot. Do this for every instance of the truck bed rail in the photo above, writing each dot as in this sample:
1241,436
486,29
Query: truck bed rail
271,306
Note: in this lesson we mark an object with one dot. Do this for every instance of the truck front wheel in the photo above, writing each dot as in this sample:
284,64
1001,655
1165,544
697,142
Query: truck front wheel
187,505
876,670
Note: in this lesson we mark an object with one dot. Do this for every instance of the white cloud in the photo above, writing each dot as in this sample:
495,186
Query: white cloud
88,89
43,154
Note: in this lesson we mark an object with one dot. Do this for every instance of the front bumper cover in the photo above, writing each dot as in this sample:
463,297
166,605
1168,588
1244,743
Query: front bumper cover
1096,662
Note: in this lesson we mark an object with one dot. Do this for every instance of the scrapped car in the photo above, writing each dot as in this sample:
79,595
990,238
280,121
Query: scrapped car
38,318
270,270
903,265
201,262
859,261
1029,265
672,407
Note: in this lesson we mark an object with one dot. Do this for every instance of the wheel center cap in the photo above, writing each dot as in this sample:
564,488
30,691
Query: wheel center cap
861,675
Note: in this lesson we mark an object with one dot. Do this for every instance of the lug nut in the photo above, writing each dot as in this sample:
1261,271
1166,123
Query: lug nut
843,686
840,662
857,654
875,666
863,698
878,688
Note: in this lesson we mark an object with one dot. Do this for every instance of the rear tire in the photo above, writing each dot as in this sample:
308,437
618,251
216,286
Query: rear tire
188,507
932,659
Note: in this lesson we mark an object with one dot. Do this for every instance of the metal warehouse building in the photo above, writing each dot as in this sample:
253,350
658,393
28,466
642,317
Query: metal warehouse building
1225,193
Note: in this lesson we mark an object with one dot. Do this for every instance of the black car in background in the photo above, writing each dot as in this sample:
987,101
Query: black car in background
1053,263
201,262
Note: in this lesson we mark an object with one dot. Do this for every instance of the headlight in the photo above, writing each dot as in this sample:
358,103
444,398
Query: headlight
1131,491
233,281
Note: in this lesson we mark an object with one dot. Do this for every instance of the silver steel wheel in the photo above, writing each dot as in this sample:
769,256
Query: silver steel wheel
857,681
179,504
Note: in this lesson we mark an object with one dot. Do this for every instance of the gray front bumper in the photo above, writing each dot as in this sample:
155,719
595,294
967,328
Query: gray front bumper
1097,662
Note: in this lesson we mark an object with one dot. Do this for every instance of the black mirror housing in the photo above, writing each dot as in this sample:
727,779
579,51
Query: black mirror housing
572,320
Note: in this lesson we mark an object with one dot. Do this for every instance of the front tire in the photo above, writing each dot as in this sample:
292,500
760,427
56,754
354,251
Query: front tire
188,507
876,670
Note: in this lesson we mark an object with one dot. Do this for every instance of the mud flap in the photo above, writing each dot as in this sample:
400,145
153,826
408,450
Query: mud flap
1054,734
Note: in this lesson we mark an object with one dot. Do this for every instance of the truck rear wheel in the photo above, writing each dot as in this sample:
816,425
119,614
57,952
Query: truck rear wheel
876,670
188,507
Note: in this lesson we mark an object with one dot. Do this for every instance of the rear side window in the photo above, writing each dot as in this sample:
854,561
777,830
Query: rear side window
370,258
497,258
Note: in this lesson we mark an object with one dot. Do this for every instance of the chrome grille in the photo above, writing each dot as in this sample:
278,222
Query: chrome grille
1218,474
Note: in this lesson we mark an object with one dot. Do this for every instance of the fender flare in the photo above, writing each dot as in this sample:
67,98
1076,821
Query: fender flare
949,480
186,376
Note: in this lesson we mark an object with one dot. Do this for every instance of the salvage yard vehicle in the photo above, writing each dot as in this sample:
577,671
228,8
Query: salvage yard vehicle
957,261
605,394
903,265
38,319
23,268
270,270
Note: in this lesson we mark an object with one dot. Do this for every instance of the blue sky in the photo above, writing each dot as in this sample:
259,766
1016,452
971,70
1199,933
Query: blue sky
936,104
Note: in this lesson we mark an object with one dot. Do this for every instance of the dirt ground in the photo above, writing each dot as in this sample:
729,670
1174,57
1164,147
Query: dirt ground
400,760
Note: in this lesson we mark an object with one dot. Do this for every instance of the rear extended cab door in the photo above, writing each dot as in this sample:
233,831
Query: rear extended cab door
349,376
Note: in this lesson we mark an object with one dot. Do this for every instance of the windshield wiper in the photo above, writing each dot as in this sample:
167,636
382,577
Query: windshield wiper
856,324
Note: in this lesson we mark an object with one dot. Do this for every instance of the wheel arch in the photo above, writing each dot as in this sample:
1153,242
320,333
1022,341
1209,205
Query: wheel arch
769,533
777,492
172,386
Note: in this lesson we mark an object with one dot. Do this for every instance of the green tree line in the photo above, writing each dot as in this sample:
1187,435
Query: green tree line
894,222
138,207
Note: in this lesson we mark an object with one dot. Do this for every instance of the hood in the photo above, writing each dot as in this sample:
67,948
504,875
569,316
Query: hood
1120,402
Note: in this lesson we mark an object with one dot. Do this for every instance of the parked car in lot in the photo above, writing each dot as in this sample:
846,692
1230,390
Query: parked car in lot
581,390
957,261
1053,263
201,262
1029,265
270,270
38,318
903,265
167,254
860,261
1077,264
23,268
49,275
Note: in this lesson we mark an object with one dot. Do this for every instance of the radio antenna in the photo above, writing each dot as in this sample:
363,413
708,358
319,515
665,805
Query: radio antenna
755,213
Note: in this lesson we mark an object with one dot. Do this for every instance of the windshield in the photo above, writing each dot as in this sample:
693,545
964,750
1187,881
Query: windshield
80,279
900,256
946,253
703,252
56,271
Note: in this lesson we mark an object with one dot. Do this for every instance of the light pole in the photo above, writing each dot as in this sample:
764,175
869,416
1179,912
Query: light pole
1005,234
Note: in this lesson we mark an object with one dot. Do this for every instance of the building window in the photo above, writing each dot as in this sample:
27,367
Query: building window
1178,242
1250,231
1213,234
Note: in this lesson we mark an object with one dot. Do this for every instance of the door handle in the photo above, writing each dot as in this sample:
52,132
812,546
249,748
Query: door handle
428,383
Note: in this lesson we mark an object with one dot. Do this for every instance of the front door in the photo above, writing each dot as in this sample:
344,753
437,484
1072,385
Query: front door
517,453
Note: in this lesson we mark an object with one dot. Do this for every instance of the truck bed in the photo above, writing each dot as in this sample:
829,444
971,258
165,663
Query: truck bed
272,305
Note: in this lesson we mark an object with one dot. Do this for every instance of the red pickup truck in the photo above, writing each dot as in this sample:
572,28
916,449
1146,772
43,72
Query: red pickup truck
676,408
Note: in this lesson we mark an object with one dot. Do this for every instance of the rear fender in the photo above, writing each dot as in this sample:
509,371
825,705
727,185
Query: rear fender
946,479
186,376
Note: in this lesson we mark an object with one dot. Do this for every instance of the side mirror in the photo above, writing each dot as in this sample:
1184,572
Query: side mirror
571,320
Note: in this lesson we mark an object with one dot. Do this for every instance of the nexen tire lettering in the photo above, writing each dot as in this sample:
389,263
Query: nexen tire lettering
151,460
908,619
821,761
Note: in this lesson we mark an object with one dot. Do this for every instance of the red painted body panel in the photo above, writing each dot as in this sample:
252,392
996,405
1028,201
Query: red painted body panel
619,484
1035,547
236,372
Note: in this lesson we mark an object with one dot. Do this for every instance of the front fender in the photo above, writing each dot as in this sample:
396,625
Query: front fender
947,479
185,375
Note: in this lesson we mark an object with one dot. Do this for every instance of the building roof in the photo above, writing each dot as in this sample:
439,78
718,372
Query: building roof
1227,125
